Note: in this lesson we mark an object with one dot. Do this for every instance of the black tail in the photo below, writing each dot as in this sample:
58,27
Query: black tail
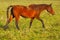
10,7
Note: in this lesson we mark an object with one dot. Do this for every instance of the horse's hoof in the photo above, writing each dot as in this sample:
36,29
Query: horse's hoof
5,27
18,28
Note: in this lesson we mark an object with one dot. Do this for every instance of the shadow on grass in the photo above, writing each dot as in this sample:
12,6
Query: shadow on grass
1,26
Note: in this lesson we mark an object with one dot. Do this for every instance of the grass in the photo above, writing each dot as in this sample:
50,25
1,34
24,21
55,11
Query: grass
52,23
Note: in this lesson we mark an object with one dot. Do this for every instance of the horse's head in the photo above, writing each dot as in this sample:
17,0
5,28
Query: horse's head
50,9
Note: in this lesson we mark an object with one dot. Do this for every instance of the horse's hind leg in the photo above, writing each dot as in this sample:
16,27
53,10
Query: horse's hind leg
31,22
41,21
16,22
8,21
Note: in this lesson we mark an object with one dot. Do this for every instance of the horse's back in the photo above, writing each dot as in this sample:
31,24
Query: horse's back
34,6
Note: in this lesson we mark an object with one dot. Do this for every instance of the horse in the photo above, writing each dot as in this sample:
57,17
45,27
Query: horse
26,12
16,12
40,8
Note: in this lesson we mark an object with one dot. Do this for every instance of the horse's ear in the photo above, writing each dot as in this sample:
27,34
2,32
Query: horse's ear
50,4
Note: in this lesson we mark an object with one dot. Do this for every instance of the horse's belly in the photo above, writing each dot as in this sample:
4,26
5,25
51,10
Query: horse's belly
28,15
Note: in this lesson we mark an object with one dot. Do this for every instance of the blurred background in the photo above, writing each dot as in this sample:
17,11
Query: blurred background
52,23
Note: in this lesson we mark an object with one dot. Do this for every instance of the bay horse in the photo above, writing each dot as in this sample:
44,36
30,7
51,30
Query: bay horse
17,11
28,12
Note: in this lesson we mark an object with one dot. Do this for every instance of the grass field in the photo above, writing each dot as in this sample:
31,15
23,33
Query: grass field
52,23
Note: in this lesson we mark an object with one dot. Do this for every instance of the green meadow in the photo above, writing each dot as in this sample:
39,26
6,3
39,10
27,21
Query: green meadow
52,22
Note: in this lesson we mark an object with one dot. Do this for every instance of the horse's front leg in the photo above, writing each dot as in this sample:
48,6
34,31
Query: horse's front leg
41,21
31,22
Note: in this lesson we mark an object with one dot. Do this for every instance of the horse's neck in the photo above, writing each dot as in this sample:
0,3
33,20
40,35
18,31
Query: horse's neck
42,8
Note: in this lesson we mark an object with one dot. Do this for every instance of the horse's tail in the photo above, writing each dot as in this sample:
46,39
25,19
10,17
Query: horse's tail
9,8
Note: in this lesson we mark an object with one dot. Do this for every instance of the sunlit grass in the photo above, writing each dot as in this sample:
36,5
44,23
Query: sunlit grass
52,23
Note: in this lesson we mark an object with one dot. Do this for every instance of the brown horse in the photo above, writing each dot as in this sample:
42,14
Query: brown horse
19,10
